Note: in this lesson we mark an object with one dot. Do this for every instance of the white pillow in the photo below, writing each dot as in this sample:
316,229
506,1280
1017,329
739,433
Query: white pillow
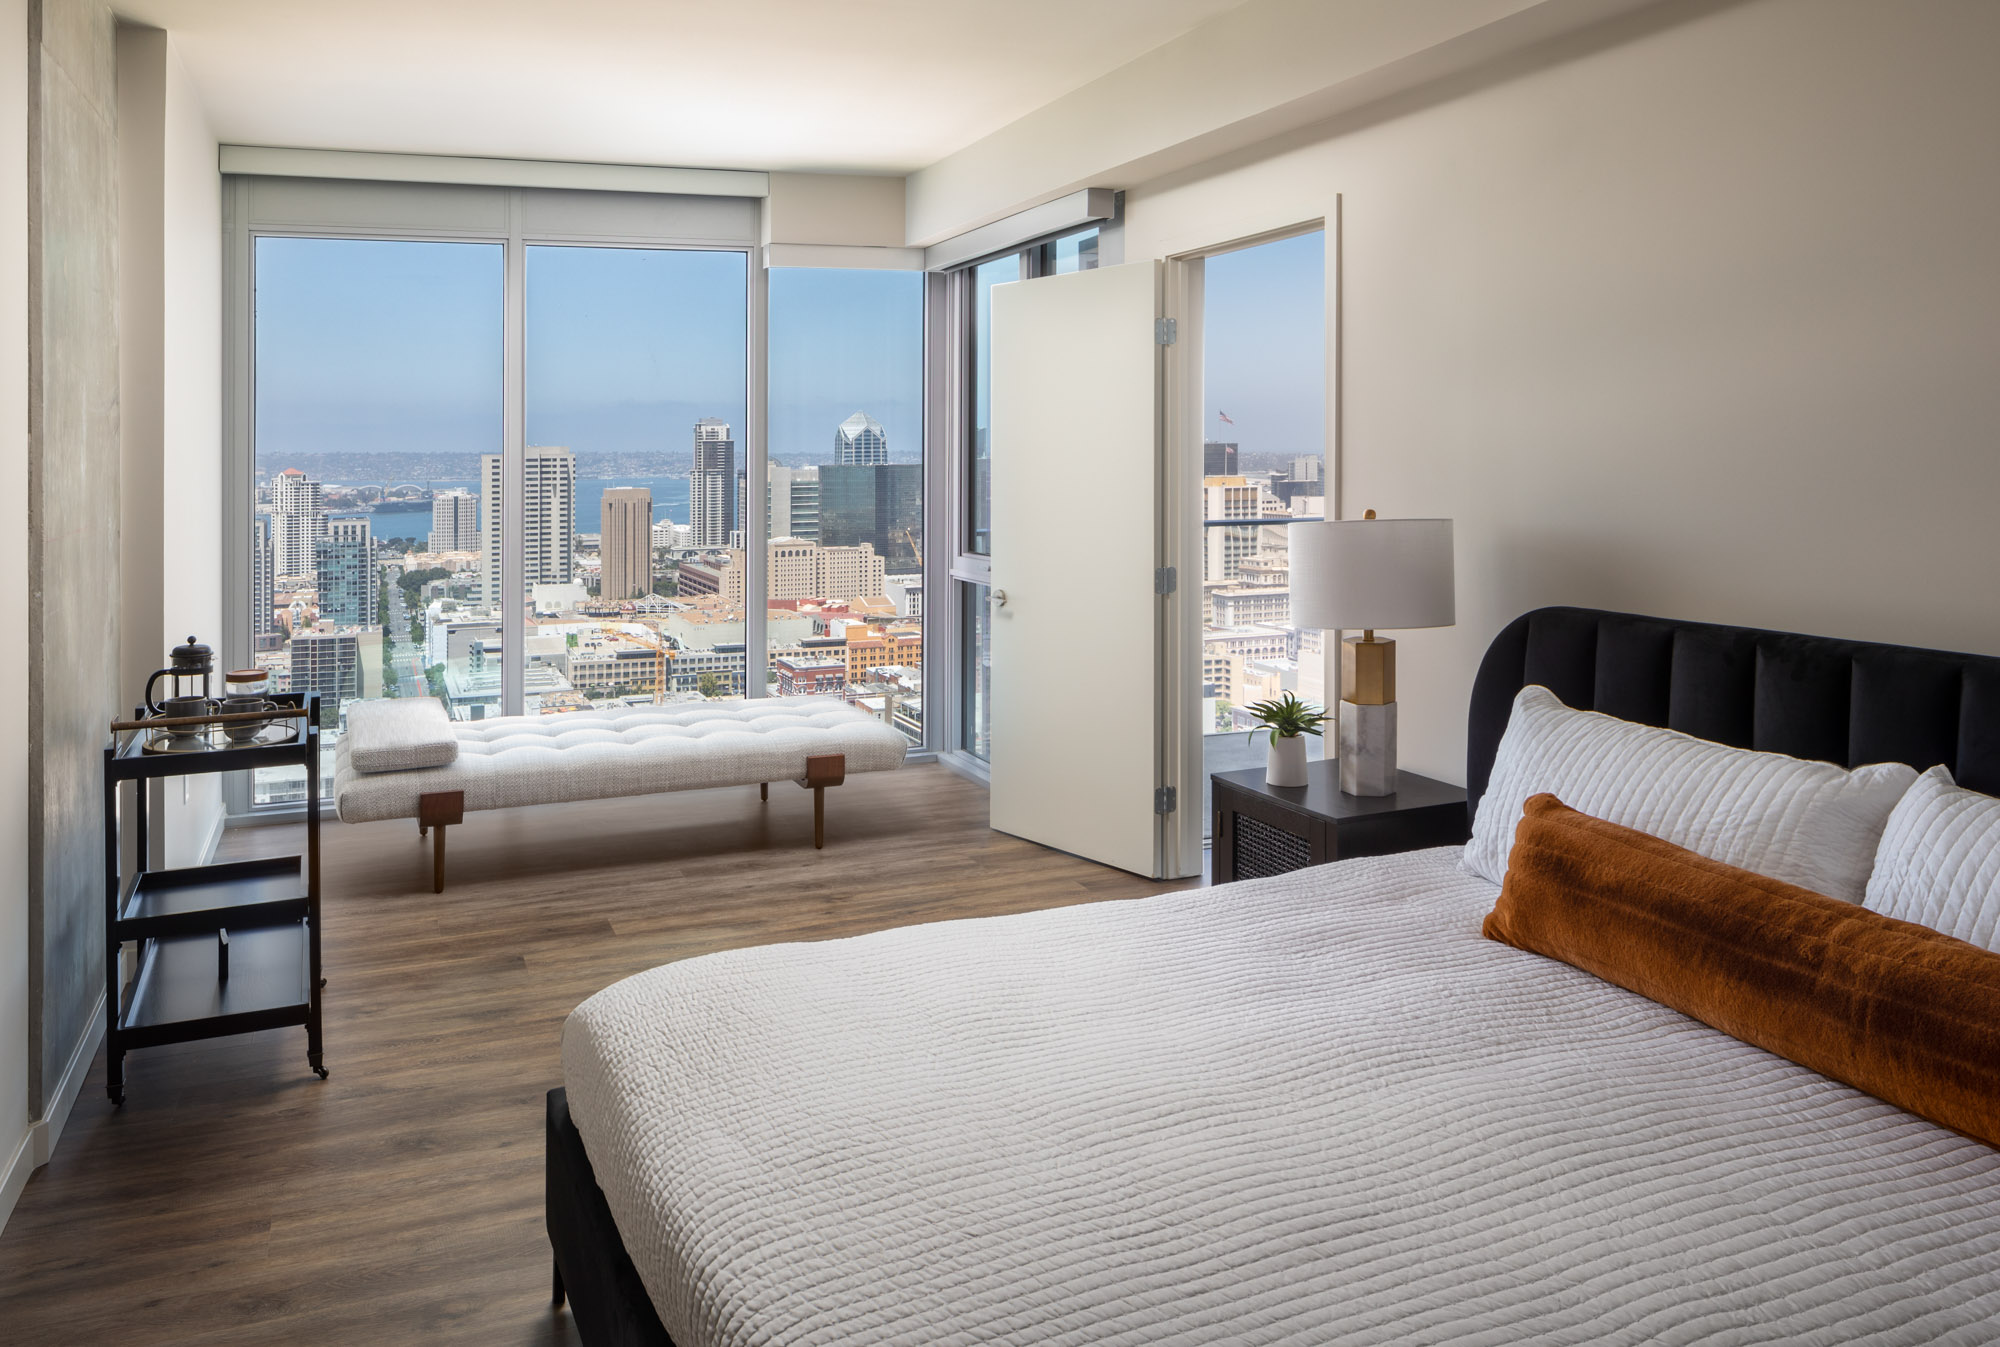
399,734
1808,823
1939,862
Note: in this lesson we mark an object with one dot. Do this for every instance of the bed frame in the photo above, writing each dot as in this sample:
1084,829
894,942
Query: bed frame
1849,702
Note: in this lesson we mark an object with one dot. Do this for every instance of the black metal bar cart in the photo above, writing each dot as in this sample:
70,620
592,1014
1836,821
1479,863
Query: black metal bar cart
223,949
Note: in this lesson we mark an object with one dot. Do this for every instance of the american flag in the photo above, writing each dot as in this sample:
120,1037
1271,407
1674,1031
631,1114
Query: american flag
1225,418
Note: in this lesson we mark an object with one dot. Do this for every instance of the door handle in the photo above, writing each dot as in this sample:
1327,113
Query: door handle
998,598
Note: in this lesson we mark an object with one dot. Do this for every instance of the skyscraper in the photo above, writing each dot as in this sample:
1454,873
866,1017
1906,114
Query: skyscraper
327,660
298,521
263,587
627,552
860,439
548,518
345,562
1218,459
794,503
879,503
712,484
454,522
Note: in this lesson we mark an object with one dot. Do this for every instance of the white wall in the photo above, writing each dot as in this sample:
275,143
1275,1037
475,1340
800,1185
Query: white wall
1694,314
170,282
191,415
15,1158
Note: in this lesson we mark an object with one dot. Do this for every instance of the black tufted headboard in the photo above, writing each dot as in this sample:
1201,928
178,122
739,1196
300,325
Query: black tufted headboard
1848,702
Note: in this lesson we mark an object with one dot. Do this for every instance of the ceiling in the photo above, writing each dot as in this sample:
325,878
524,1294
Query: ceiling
854,85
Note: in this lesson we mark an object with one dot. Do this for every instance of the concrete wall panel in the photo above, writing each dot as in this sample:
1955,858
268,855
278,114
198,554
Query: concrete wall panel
73,515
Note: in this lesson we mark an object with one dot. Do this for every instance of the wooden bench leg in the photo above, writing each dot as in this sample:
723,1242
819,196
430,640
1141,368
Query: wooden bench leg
821,772
439,811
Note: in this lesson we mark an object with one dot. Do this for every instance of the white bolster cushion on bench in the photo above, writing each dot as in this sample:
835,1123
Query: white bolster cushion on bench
399,734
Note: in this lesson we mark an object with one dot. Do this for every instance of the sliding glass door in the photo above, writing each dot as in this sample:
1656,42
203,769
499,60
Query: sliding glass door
1263,468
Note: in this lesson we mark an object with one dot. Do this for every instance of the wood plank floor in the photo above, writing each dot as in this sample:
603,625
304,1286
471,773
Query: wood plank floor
235,1199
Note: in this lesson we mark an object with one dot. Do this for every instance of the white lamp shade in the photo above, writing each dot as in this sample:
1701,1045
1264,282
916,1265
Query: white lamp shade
1385,574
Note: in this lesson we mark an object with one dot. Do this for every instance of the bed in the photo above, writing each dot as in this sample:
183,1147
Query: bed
1319,1108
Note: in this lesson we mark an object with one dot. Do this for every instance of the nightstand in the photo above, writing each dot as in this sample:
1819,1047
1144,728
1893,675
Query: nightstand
1269,830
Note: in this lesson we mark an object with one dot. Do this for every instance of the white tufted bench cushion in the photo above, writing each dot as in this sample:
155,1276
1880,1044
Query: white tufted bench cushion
594,755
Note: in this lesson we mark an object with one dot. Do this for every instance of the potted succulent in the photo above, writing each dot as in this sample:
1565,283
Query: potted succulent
1288,721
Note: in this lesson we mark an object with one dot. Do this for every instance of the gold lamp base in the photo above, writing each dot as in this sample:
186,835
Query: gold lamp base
1367,670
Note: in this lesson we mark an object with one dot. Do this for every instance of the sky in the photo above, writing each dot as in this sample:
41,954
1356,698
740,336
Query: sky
392,345
369,345
1264,346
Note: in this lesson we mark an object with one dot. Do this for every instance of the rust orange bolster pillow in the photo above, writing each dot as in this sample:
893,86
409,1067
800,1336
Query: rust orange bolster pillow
1910,1015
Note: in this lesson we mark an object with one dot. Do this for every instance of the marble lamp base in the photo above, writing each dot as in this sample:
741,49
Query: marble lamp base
1368,748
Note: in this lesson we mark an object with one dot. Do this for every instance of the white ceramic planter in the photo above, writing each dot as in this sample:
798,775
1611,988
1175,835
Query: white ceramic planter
1286,763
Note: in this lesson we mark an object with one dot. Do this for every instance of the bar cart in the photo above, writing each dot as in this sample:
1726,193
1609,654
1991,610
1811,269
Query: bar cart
223,949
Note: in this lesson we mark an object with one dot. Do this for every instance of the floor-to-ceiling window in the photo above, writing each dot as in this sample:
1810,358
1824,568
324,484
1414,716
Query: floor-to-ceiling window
844,500
633,568
489,448
1263,467
377,391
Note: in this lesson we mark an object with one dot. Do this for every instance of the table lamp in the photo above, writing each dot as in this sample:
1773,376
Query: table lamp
1370,574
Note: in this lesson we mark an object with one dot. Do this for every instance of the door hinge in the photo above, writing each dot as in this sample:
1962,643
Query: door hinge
1163,800
1166,580
1166,331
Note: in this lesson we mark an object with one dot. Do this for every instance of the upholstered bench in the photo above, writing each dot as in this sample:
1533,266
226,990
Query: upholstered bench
405,758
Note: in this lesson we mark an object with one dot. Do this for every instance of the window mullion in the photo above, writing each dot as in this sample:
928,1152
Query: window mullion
751,512
514,473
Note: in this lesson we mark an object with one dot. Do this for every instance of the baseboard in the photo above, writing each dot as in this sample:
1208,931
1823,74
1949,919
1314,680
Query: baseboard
213,841
15,1177
47,1130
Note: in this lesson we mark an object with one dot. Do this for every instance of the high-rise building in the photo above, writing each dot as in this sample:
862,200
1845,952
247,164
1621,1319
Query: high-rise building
1306,468
454,522
1218,459
263,577
548,519
860,439
327,660
1224,549
298,521
878,503
794,504
712,484
345,564
626,553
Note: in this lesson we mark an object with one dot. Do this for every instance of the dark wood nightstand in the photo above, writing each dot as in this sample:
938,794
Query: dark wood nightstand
1269,830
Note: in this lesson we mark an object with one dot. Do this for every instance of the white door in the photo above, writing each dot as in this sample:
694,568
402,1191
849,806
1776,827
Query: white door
1075,748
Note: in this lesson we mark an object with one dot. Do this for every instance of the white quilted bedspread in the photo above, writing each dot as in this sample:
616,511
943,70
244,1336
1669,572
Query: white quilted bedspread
1318,1109
593,755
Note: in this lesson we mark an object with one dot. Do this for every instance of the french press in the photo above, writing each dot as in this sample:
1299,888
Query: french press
190,669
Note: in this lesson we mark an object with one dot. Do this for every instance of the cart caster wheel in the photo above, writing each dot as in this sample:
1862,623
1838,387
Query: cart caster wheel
117,1098
320,1071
